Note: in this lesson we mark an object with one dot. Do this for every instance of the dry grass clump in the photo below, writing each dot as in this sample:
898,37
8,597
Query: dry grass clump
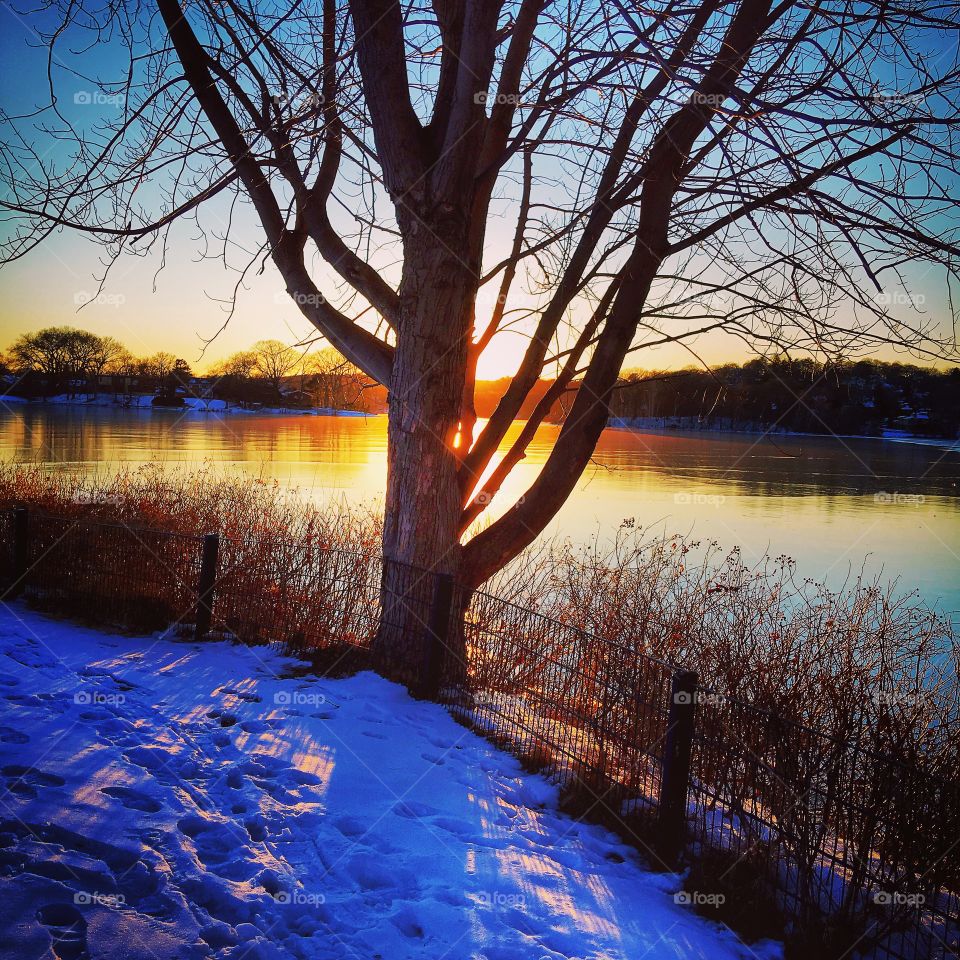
862,656
290,573
192,502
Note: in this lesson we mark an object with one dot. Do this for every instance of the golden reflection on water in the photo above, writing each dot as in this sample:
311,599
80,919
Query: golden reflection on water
829,503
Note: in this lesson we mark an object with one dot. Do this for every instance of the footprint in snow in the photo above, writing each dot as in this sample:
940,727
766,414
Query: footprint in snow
219,847
150,758
408,923
133,799
30,658
225,719
113,729
351,827
412,810
263,765
57,702
7,680
454,825
256,829
68,930
244,695
9,735
96,715
249,697
23,700
26,781
119,682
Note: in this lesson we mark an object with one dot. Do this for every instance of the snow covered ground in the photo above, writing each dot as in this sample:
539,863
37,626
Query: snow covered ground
161,799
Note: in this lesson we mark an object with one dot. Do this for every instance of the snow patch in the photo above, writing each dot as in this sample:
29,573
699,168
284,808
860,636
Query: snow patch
160,801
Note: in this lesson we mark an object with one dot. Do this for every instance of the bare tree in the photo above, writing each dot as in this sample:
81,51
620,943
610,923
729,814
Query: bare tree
66,352
336,381
772,169
122,363
240,365
273,361
103,354
45,351
158,366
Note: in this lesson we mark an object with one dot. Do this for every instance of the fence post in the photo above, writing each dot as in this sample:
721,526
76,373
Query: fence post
437,636
675,782
208,577
21,552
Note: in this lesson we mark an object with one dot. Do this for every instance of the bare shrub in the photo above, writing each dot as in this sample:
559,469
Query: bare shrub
203,500
291,573
863,657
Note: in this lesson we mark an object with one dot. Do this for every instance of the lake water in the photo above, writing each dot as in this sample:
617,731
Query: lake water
830,504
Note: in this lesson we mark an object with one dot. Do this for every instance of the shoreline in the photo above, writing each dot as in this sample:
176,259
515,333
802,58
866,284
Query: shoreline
664,427
144,402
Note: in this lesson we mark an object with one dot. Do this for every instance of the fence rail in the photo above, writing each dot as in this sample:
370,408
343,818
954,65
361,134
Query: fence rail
858,851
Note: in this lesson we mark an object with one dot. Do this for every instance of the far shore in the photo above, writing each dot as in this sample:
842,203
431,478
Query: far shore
669,425
190,405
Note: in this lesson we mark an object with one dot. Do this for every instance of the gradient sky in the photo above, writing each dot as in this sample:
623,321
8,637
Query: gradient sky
183,306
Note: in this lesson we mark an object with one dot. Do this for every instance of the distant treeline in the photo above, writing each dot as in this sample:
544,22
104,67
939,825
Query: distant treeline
803,396
862,397
67,361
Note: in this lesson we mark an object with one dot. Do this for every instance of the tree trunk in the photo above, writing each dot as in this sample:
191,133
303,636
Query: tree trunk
423,504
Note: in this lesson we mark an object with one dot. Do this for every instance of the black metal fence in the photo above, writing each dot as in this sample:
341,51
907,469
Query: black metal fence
858,852
858,845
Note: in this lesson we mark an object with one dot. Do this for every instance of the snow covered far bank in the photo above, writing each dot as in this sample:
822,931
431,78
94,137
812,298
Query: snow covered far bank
191,405
673,425
162,799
